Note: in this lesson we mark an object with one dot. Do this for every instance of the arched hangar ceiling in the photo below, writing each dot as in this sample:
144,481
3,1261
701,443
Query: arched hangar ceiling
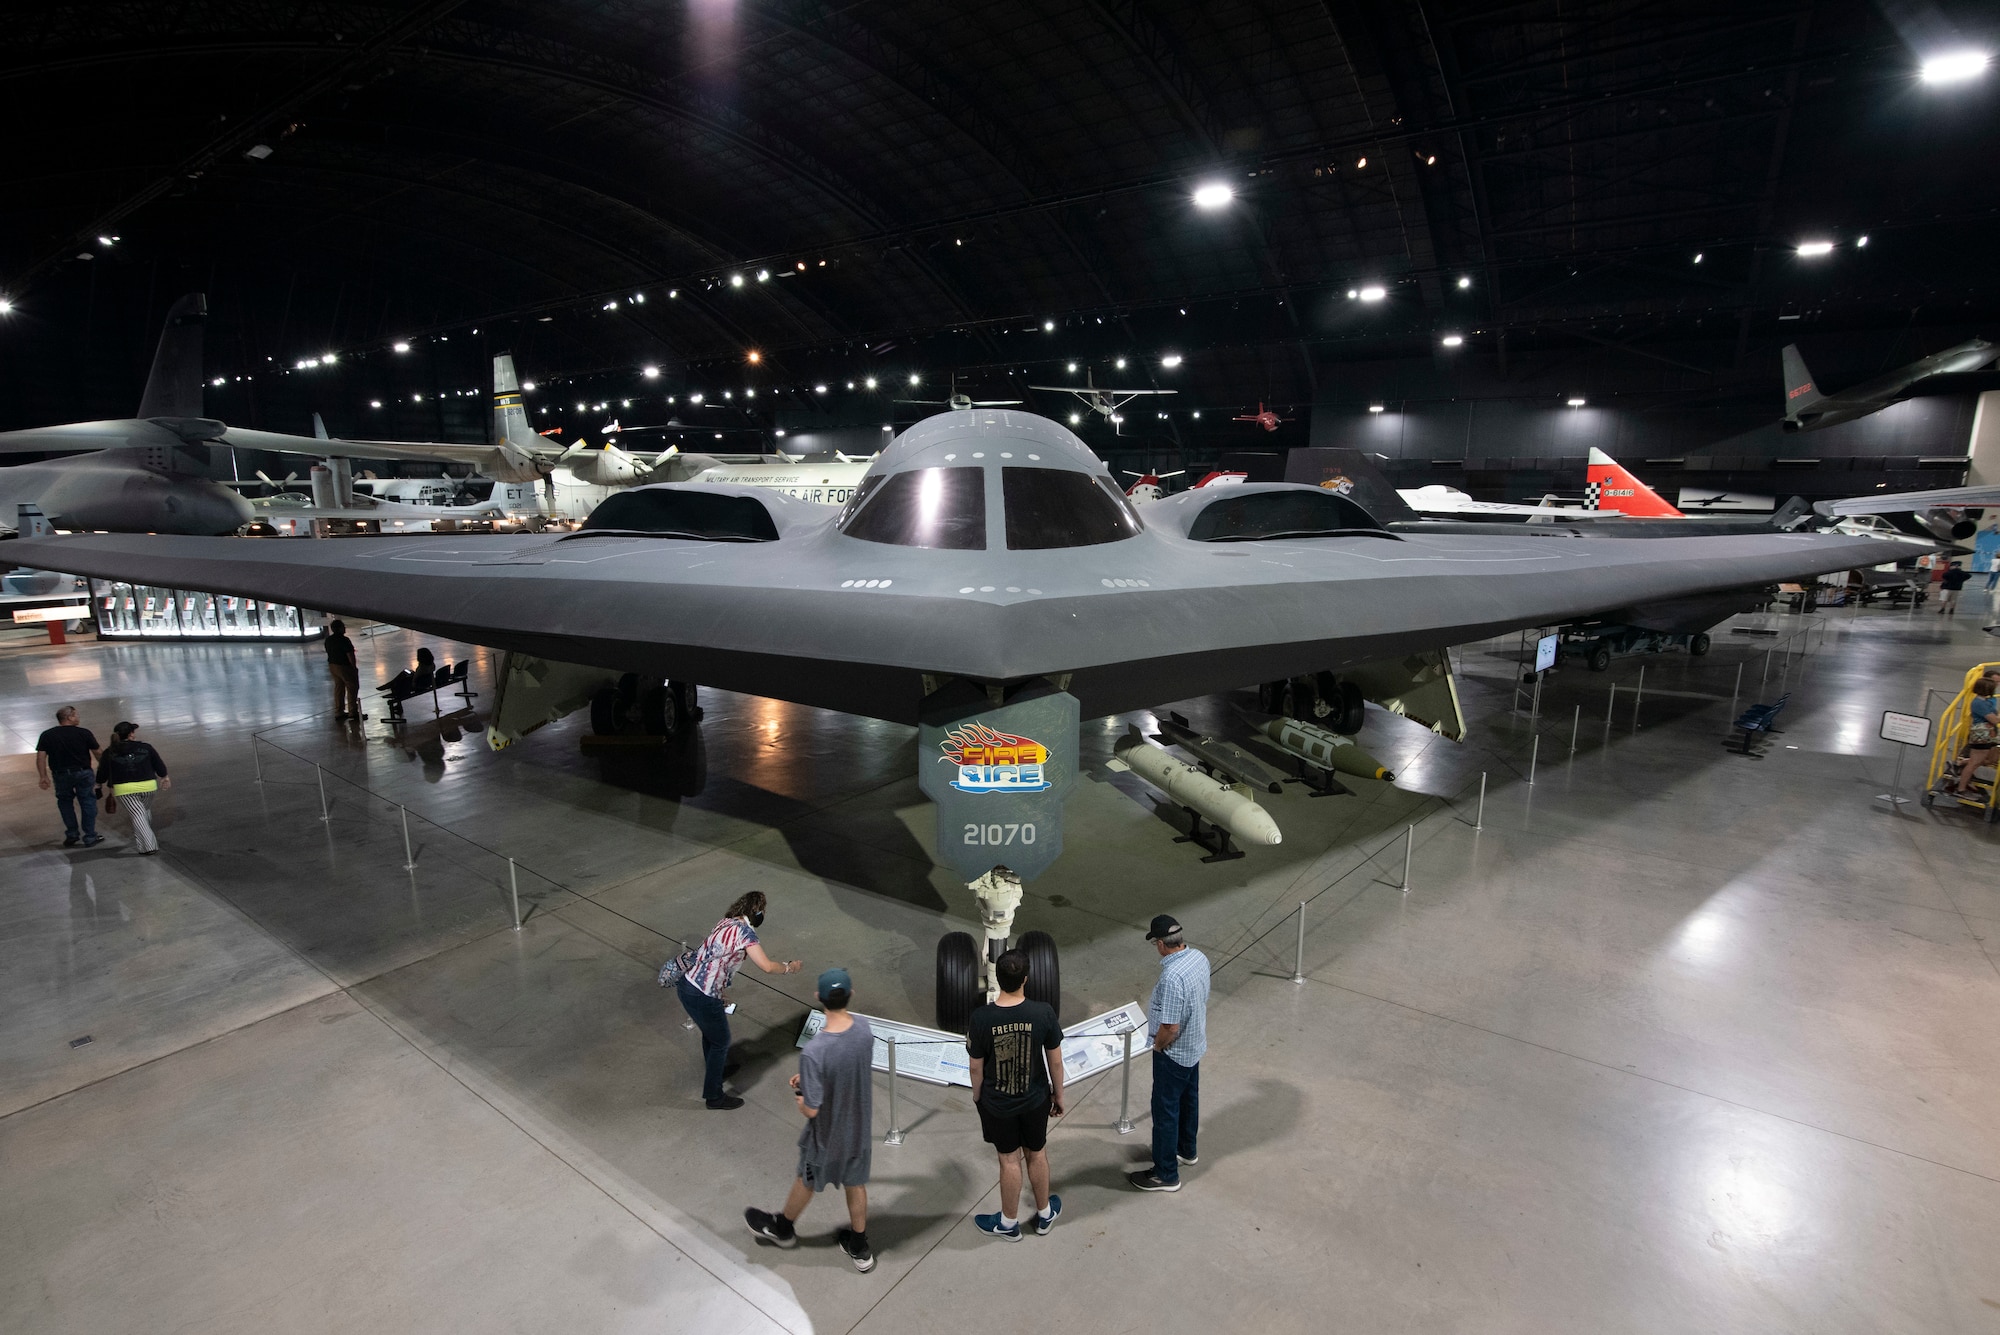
339,174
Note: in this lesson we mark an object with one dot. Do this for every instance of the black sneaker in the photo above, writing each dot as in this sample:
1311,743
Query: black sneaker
774,1228
856,1247
1146,1180
73,841
725,1103
93,841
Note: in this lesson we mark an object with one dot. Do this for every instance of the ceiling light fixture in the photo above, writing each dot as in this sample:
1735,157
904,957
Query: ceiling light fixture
1048,326
1214,195
650,372
399,347
1860,241
736,280
754,357
1120,363
1171,360
528,386
1377,407
870,382
1575,402
1464,282
1954,67
913,377
1812,250
1453,340
1374,292
374,403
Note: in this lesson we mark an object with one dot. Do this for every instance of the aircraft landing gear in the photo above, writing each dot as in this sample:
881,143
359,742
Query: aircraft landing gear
658,709
965,981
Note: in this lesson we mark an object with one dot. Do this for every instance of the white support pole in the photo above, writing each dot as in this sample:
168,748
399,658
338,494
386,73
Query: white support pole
257,757
1299,962
1638,696
409,857
320,774
1609,710
514,891
1479,820
1575,724
1766,676
1535,705
1409,850
1534,756
895,1136
1124,1127
1737,689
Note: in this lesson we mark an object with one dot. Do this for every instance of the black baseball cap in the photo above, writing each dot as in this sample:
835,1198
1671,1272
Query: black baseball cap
1165,928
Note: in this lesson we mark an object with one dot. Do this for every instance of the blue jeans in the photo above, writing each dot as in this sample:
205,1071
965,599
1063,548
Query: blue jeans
706,1012
1176,1114
76,788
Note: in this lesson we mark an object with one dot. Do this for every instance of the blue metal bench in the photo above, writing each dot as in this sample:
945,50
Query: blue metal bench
1754,720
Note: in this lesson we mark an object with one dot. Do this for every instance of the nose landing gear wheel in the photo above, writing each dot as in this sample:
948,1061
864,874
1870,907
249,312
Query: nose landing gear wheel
958,989
1044,970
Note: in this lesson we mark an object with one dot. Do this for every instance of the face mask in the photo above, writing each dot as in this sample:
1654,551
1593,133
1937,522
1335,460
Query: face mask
757,918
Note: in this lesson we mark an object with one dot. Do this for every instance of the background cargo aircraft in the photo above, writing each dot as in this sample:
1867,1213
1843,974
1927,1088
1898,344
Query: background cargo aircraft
989,584
1807,409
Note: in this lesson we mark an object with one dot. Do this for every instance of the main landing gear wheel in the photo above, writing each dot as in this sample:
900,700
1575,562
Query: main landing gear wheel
1044,970
958,987
1698,644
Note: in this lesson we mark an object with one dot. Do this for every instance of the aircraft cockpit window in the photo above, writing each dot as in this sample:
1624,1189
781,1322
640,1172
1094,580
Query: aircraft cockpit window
705,515
925,507
1053,507
1283,514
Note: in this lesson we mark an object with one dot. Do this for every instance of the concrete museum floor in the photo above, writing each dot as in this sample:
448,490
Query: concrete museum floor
1678,1041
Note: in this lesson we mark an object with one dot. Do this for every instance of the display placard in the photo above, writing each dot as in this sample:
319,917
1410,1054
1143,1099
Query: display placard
1909,729
938,1058
1545,652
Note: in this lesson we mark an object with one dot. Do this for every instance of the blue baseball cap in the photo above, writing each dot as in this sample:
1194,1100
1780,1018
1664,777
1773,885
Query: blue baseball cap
833,978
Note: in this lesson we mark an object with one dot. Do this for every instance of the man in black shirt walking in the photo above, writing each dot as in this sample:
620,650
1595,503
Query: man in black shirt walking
66,760
1015,1046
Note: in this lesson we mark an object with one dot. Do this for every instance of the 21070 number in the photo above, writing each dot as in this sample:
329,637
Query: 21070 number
995,836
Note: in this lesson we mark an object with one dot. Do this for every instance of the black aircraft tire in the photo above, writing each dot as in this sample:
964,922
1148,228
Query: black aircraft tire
604,713
656,711
1698,643
1600,657
958,992
1044,970
1353,710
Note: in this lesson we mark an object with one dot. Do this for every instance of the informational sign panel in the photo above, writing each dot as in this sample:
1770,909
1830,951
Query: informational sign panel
938,1058
67,612
1545,652
999,775
1909,729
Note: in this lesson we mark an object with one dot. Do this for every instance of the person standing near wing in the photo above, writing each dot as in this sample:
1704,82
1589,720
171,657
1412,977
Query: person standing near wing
705,971
133,771
1178,1012
1015,1047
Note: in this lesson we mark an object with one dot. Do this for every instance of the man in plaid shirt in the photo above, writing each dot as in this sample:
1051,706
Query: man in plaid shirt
1178,1016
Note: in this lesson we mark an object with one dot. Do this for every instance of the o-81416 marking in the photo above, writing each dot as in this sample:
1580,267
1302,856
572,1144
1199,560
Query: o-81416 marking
998,836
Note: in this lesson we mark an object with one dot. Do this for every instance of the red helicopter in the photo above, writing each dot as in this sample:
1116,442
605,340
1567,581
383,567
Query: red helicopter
1265,417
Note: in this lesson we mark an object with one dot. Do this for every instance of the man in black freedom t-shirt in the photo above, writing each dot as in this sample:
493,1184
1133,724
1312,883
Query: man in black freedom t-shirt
1017,1081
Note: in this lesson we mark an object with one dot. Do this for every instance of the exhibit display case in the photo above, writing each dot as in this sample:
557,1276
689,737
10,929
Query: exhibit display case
149,612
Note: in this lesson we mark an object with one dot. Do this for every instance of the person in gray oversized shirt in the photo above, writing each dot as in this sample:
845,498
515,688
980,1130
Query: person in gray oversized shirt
835,1089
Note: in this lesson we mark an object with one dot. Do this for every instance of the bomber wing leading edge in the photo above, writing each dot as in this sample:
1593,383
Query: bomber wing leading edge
987,545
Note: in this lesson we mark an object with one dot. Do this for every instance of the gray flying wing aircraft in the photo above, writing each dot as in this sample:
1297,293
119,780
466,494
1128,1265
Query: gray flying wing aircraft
989,583
1807,409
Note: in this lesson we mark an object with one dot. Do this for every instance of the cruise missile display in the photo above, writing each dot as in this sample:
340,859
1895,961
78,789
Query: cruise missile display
1328,750
1217,756
1228,807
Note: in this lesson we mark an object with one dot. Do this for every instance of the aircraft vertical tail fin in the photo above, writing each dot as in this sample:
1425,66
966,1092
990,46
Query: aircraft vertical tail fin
319,429
173,389
1800,391
1612,488
510,414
